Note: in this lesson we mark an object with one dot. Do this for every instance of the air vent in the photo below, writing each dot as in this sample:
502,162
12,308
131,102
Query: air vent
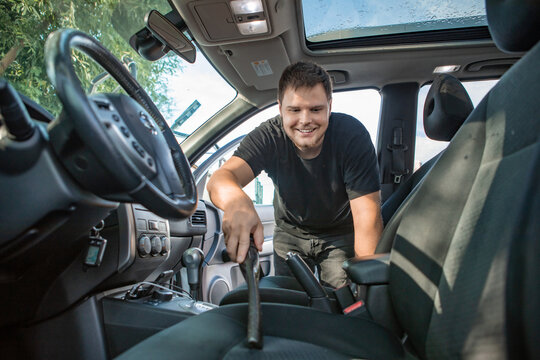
198,218
103,105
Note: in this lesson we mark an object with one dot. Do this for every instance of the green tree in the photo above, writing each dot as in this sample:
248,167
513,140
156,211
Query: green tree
25,25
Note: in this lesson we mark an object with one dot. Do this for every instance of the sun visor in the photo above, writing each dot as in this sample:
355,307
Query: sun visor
259,64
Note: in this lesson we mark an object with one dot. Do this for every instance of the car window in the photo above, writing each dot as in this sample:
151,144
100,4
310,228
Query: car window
347,19
179,89
425,147
362,104
260,190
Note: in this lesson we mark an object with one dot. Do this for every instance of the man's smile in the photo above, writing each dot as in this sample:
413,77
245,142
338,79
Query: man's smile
306,131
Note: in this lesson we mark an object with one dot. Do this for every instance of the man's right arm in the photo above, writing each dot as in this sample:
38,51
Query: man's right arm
240,219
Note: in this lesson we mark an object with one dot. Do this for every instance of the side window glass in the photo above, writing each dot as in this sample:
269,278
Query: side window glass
426,148
261,189
362,104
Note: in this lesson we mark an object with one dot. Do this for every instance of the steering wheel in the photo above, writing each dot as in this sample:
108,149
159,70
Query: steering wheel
123,156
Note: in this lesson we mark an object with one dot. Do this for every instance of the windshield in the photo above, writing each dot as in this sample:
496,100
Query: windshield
346,19
179,89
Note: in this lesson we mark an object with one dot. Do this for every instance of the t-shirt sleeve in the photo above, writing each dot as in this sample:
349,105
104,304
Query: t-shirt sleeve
254,149
361,172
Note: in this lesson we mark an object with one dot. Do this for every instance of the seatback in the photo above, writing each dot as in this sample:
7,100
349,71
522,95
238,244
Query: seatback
446,107
451,247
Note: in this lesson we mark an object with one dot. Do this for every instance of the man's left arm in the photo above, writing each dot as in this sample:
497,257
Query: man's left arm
368,225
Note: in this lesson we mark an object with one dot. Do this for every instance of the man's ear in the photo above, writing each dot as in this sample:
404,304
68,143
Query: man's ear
330,106
279,106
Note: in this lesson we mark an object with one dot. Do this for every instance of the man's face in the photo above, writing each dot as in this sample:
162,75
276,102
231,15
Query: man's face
305,113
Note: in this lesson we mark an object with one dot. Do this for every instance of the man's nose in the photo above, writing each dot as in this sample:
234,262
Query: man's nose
304,117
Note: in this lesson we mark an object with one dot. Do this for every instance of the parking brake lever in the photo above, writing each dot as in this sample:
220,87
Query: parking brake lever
317,295
251,271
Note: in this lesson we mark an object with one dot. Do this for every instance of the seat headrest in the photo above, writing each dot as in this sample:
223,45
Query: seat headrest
514,24
447,106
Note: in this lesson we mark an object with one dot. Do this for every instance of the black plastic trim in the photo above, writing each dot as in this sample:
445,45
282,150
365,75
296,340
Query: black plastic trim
423,37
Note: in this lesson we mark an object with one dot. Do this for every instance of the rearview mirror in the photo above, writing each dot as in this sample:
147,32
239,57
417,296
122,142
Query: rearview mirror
170,35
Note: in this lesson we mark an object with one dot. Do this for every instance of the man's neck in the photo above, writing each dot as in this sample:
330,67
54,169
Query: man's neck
310,153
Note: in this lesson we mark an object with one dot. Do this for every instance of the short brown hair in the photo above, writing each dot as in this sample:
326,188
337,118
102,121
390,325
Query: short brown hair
304,74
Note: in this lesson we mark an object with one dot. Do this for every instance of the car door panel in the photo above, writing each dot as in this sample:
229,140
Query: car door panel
219,275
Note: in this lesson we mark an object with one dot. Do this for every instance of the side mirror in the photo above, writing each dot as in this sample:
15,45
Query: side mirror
170,35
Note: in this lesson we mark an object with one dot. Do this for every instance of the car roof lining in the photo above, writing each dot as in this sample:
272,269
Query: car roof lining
374,66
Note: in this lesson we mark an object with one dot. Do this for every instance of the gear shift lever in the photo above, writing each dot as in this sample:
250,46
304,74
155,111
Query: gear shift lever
192,259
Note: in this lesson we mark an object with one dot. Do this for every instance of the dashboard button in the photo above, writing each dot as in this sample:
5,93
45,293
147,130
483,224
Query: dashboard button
125,131
152,225
156,246
144,246
165,245
138,148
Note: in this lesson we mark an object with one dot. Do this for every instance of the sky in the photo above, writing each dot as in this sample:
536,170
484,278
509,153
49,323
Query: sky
350,14
201,82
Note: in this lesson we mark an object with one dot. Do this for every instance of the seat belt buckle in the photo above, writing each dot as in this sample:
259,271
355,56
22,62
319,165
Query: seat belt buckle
344,296
356,309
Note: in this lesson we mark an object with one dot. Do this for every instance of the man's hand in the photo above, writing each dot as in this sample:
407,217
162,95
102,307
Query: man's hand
240,220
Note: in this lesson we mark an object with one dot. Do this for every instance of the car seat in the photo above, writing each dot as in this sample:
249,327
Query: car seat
464,266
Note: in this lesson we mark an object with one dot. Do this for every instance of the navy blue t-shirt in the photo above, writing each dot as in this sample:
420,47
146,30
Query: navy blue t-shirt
312,196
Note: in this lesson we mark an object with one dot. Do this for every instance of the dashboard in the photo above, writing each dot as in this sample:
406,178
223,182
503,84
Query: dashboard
47,217
144,245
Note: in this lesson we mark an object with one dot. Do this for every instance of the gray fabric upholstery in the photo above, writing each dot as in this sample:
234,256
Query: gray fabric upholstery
221,335
523,284
513,24
451,259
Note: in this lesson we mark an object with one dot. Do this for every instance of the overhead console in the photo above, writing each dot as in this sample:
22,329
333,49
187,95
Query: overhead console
215,22
241,18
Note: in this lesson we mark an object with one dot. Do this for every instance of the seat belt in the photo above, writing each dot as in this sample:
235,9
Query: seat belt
395,168
398,169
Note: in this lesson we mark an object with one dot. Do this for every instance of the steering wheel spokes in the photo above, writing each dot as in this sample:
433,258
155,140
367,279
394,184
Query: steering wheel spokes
118,131
117,146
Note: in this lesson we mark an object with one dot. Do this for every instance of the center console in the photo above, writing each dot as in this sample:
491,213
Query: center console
149,259
129,321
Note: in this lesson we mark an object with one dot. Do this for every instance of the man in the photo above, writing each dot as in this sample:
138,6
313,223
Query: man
324,169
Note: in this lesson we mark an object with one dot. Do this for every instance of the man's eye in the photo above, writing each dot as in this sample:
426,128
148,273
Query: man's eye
316,110
294,110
